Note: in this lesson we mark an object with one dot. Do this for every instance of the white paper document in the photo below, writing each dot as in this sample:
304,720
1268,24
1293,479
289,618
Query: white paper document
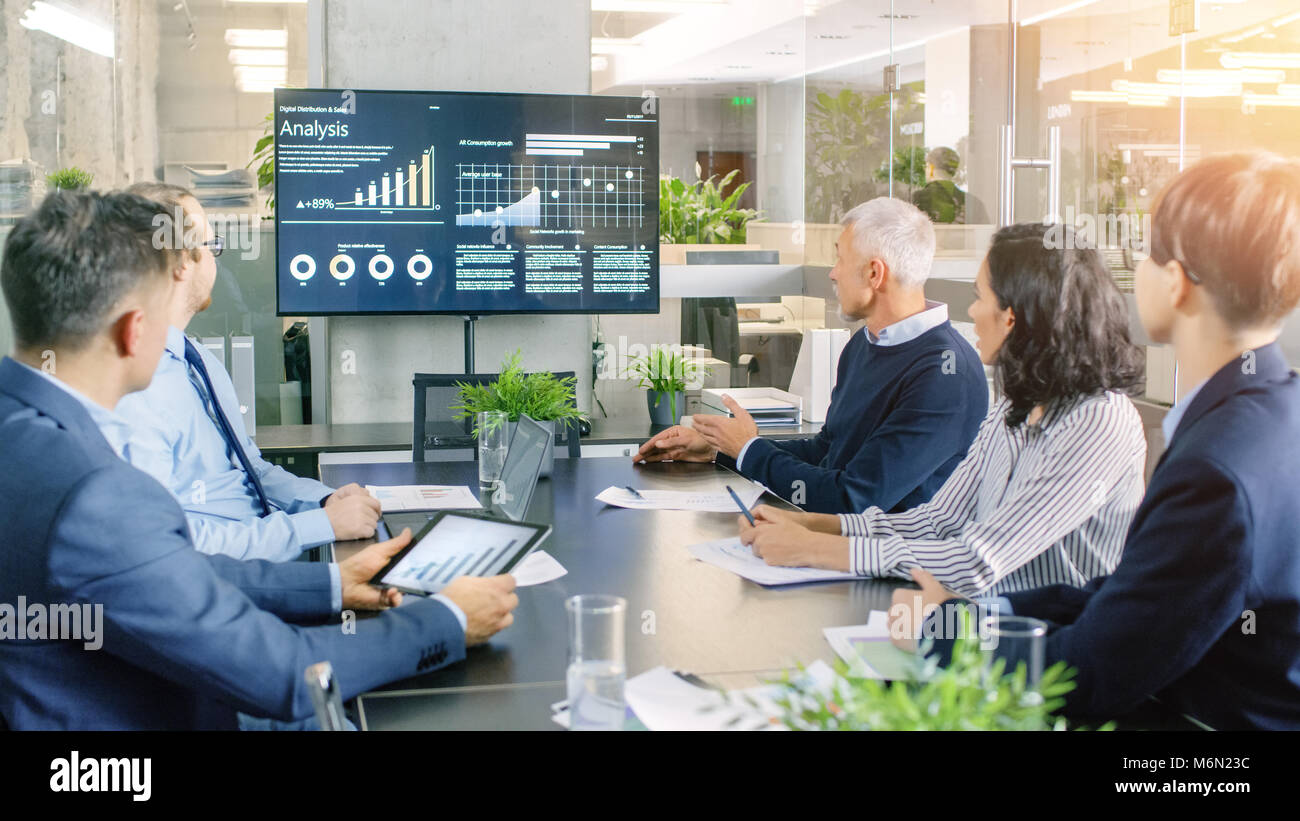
538,567
662,700
868,650
395,498
681,499
730,554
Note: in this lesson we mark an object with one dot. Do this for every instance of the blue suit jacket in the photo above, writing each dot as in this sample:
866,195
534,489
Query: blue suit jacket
188,639
1203,610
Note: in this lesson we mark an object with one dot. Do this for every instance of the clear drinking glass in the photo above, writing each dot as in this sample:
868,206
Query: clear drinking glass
596,664
492,443
1018,639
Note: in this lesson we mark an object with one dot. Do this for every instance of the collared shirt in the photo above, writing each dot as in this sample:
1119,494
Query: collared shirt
901,332
175,438
1175,415
117,431
1040,504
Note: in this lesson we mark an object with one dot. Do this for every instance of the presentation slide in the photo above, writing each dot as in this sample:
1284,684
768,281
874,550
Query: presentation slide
465,203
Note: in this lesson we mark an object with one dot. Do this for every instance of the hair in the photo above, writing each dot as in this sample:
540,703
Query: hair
1233,222
944,160
172,196
896,232
1071,331
68,263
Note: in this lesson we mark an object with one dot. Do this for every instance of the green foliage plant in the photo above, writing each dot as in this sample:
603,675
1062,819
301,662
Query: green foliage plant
699,214
542,395
665,371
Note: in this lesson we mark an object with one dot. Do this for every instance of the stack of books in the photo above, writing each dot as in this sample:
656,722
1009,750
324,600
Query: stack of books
22,186
770,407
235,188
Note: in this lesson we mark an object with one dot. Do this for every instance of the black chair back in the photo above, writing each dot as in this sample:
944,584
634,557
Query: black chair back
433,427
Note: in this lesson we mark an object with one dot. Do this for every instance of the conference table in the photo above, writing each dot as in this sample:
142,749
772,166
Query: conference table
682,613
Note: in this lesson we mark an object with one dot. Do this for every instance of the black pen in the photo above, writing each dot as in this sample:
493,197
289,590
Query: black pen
742,507
632,490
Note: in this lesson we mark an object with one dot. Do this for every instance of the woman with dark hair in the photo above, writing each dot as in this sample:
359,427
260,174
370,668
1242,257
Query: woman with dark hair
1047,489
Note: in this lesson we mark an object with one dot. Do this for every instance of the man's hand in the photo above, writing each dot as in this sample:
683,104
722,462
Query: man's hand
353,516
677,444
351,489
787,544
356,572
911,607
727,434
486,602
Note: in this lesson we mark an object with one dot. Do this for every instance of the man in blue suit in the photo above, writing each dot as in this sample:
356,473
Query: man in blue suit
187,639
1203,611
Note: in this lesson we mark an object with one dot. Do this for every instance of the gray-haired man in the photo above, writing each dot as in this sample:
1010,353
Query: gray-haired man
909,396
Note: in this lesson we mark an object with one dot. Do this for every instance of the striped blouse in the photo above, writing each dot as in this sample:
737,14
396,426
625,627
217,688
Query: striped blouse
1048,503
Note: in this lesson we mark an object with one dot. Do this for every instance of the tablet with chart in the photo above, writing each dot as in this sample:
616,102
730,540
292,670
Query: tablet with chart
459,544
465,203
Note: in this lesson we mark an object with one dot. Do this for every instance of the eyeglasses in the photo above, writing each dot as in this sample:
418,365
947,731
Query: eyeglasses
217,244
1193,277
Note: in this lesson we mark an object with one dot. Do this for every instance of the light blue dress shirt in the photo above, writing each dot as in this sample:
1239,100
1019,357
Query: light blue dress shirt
1175,415
118,430
174,437
901,332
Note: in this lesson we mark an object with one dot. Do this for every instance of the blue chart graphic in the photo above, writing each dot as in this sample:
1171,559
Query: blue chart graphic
436,573
527,211
550,196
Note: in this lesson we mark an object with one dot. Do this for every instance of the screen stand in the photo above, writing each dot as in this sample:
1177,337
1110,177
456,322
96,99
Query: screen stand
469,344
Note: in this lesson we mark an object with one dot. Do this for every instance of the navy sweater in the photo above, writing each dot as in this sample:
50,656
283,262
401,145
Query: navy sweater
901,417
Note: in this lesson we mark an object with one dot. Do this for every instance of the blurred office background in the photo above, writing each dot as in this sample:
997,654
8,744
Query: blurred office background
814,105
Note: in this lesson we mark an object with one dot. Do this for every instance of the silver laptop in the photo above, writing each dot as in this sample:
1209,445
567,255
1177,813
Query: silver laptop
513,493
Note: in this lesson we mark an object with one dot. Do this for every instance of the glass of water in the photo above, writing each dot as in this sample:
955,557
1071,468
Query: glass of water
1018,639
596,665
492,443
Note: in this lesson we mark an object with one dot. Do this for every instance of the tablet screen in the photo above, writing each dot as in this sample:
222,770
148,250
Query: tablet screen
457,545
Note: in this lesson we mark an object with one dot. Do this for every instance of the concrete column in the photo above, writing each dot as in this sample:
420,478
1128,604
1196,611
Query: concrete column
451,45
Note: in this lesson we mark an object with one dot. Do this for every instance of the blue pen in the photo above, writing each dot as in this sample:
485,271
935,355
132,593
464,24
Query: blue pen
742,507
632,490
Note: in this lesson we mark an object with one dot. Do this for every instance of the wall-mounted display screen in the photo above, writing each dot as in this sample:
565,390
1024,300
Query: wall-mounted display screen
408,202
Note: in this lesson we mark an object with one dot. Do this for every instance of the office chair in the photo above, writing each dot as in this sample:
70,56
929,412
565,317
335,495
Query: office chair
434,429
325,696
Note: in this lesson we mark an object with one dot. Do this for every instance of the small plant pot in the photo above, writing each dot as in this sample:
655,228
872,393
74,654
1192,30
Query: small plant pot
665,408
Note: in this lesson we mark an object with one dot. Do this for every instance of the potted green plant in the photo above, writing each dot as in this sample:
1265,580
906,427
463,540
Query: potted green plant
69,179
665,374
699,214
974,692
264,156
543,396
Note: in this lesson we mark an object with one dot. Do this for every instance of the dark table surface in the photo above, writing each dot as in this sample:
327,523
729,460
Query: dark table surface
682,613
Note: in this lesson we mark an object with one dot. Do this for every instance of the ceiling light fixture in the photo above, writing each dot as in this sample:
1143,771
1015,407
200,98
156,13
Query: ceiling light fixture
1048,15
1213,75
259,57
257,38
655,6
65,25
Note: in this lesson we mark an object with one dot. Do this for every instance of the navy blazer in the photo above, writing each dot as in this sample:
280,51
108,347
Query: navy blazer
188,639
1203,610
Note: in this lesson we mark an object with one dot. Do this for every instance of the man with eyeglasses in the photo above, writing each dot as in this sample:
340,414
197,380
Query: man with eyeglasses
187,432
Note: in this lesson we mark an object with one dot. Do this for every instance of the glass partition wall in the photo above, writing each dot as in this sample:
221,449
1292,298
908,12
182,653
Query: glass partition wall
981,112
